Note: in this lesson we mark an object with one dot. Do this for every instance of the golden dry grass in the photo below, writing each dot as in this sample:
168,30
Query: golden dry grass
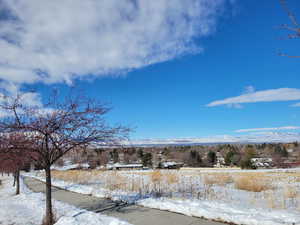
265,187
290,192
75,176
156,176
217,179
252,182
172,178
115,182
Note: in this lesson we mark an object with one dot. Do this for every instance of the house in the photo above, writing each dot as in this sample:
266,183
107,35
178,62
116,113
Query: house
171,165
119,166
220,161
262,162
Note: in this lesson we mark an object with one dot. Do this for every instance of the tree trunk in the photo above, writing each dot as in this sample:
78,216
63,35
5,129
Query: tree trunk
49,214
17,178
15,174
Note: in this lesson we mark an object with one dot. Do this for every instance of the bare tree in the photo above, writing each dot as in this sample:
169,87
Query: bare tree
293,27
61,125
13,156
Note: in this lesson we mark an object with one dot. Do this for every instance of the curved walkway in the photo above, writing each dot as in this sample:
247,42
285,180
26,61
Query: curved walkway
134,214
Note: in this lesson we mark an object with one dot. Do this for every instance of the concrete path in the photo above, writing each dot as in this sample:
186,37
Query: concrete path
134,214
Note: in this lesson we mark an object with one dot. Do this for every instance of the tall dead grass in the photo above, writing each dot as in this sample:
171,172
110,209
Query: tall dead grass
252,182
172,178
290,192
263,187
76,176
217,179
156,176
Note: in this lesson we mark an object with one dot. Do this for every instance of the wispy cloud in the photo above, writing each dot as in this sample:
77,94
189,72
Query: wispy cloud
271,95
61,40
296,104
268,129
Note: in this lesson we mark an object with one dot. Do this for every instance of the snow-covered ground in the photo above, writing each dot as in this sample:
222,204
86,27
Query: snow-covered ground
69,166
223,212
28,209
212,194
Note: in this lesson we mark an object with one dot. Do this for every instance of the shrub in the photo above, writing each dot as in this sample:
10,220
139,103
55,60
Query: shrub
281,151
247,164
211,157
147,159
232,158
194,159
228,157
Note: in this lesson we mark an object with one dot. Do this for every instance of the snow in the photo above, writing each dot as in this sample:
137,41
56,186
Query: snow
119,165
28,209
221,203
70,166
223,212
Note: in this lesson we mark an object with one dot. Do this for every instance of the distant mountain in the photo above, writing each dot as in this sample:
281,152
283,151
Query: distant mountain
260,137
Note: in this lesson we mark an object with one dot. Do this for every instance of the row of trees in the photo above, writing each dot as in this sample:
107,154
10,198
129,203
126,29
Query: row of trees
192,156
44,133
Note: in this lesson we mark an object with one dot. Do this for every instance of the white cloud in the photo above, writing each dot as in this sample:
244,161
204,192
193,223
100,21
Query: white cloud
61,40
27,98
249,89
296,104
271,95
268,129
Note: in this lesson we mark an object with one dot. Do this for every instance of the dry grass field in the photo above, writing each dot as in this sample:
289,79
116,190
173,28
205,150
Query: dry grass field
269,189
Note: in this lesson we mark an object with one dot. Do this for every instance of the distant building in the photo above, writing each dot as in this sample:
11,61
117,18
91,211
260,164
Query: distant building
121,157
158,159
119,166
171,165
262,162
220,161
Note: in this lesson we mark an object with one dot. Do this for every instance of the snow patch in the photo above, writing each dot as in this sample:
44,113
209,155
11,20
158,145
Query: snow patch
223,212
28,209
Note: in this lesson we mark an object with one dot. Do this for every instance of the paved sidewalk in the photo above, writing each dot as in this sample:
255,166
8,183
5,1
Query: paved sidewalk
134,214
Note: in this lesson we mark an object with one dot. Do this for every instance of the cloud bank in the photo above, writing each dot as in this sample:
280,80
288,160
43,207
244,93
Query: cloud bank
62,40
268,129
271,95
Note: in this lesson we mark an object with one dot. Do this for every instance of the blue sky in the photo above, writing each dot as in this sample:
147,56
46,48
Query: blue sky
167,95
